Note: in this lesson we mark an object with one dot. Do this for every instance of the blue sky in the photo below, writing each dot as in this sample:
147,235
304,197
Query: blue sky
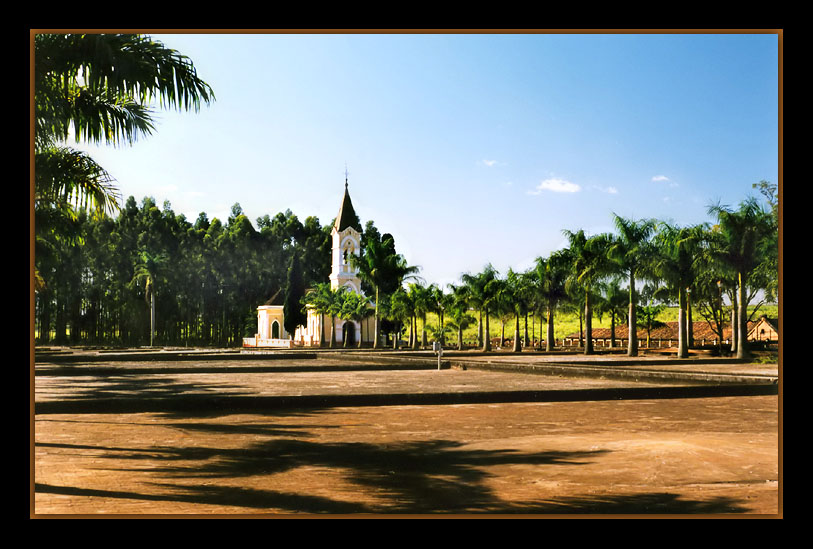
469,149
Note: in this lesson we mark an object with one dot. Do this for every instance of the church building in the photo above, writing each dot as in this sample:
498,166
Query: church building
346,241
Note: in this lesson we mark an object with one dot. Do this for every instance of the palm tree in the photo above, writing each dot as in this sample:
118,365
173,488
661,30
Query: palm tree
147,270
460,319
99,86
748,233
402,307
319,299
410,301
549,284
440,303
379,264
590,264
679,251
614,300
334,309
631,250
354,307
422,300
518,292
482,289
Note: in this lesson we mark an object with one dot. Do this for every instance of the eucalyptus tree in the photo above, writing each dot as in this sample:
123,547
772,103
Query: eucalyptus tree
482,289
293,312
381,267
749,238
679,253
632,250
590,264
550,276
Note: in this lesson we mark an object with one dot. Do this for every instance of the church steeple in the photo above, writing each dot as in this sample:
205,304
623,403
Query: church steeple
346,235
347,215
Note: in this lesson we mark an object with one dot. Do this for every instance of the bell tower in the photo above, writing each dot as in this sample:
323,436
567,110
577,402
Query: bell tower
346,234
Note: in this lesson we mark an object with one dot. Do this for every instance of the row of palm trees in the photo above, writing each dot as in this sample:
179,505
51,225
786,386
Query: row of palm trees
737,254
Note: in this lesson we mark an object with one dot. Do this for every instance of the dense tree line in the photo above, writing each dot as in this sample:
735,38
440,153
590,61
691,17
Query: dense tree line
201,281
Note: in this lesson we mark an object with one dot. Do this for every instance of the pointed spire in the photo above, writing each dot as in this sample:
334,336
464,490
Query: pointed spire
347,215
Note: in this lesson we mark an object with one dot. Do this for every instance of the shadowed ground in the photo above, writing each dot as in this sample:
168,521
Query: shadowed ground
708,455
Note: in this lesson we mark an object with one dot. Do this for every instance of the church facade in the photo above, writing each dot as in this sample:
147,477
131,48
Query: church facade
346,242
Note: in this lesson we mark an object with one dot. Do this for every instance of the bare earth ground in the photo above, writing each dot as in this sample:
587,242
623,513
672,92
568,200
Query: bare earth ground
715,456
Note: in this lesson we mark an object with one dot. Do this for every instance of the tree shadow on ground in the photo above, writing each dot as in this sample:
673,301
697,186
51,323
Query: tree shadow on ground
422,477
125,386
137,393
218,495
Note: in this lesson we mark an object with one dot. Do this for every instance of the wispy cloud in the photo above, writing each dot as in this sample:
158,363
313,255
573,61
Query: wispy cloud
556,185
608,190
664,179
489,163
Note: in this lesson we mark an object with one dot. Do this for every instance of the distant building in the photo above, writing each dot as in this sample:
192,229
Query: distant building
666,335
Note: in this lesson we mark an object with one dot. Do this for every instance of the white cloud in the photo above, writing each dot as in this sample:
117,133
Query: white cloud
490,163
556,185
660,178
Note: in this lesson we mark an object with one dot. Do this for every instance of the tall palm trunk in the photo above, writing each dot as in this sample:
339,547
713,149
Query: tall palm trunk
549,342
376,339
612,329
321,329
683,350
459,338
152,318
588,324
735,325
742,321
632,345
517,346
332,331
487,335
479,328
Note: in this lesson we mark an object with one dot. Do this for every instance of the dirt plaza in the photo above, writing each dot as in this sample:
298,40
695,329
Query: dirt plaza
362,436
